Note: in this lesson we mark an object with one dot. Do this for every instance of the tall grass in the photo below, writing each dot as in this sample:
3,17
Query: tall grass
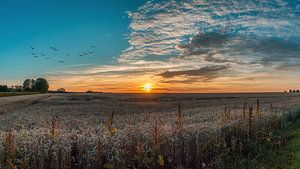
162,144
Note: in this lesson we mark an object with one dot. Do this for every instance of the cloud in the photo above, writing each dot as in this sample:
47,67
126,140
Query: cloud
241,49
208,72
160,27
289,66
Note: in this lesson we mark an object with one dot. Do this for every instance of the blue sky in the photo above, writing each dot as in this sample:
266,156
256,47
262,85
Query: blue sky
70,26
175,45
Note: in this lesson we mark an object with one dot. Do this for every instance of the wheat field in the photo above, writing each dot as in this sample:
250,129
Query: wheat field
116,131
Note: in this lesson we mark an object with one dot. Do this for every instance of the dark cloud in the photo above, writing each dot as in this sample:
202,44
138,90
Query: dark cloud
189,80
209,72
271,49
205,43
242,49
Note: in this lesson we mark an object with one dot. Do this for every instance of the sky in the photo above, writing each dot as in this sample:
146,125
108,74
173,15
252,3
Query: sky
195,46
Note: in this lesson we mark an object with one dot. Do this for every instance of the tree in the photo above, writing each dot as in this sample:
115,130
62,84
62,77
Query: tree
41,85
298,91
3,88
29,85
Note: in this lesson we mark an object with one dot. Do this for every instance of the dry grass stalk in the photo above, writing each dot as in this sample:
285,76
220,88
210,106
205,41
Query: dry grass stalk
259,114
180,117
10,149
155,137
244,111
250,120
100,149
110,125
11,164
53,133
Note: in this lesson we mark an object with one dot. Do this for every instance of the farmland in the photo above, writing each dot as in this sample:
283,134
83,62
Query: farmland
6,94
138,130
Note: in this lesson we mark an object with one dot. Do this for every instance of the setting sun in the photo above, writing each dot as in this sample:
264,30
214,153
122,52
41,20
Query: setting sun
148,87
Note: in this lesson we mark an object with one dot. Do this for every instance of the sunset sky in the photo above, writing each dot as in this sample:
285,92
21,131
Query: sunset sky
176,46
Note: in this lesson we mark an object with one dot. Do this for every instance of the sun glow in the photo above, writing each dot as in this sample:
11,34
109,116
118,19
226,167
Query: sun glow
148,87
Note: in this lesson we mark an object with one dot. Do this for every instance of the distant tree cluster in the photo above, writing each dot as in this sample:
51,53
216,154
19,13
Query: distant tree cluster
39,85
3,88
293,91
16,88
30,85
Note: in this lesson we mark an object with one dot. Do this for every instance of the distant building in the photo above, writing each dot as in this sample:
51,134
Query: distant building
61,90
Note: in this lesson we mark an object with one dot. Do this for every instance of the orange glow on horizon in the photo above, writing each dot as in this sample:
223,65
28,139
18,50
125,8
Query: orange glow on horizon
148,87
144,83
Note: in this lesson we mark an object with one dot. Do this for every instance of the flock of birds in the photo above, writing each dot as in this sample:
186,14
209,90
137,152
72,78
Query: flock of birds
35,54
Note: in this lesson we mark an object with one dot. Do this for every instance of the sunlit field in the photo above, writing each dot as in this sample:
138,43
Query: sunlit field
139,130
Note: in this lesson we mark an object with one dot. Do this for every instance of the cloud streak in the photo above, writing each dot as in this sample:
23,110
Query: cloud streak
209,72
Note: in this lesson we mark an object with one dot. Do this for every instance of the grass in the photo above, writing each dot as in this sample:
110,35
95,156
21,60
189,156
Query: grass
248,136
283,154
287,156
294,146
6,94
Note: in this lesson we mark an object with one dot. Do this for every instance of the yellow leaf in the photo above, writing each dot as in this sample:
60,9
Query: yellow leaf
161,160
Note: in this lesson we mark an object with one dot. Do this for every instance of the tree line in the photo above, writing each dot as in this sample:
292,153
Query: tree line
293,91
29,85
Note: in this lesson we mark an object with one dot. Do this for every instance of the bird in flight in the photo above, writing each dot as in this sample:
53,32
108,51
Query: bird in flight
61,61
32,53
53,48
32,48
92,46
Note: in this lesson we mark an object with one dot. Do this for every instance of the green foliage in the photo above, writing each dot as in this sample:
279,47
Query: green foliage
41,85
3,88
274,149
28,85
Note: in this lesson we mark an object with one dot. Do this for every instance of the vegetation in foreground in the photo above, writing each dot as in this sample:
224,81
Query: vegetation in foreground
283,151
160,141
292,149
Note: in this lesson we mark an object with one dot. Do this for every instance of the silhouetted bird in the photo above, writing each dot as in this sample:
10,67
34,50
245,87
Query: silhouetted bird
32,53
61,61
32,48
53,48
92,46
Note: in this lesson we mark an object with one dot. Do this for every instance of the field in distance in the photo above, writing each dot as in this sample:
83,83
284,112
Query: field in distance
6,94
